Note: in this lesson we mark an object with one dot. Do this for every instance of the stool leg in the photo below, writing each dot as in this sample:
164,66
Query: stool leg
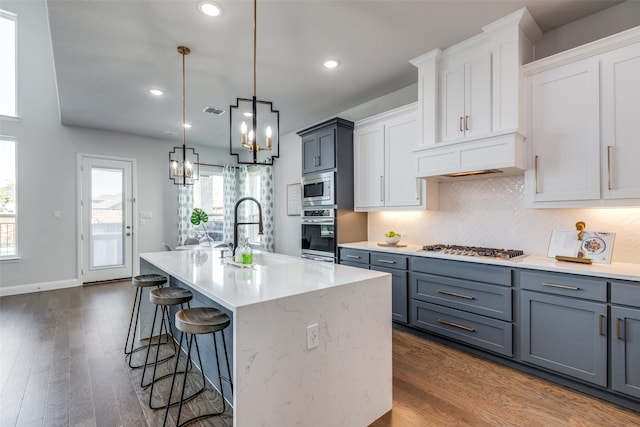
184,383
226,358
146,359
136,303
173,380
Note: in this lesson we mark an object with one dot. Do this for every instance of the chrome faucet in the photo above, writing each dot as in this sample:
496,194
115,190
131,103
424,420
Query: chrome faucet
236,223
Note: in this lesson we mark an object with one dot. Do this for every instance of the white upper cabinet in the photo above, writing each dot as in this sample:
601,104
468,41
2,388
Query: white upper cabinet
384,164
565,133
620,116
469,101
582,112
465,98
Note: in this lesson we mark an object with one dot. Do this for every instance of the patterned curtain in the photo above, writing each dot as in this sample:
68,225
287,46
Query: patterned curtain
266,200
237,184
230,180
185,206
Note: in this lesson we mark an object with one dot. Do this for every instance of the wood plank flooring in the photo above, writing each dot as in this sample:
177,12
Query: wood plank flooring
61,364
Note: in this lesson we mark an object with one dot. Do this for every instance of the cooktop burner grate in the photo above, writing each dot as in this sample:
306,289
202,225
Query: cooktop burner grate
474,251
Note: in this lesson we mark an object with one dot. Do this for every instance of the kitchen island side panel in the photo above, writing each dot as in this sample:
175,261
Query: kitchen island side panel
345,381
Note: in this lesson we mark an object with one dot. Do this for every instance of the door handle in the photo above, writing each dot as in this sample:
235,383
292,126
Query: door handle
535,172
466,122
461,129
381,188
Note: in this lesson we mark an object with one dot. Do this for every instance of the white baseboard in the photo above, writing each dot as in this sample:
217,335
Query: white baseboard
39,287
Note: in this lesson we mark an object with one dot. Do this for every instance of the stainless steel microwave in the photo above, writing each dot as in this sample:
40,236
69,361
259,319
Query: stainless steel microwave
318,190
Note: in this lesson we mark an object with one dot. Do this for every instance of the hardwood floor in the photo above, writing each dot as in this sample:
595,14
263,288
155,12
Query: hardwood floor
61,364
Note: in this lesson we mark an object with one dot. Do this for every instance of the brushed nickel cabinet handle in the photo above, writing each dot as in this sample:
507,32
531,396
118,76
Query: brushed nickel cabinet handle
618,320
384,261
461,129
600,319
555,285
466,122
353,256
381,188
455,325
535,172
453,294
609,167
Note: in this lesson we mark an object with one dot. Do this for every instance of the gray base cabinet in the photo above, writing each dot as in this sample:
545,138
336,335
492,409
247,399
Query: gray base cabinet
625,338
396,265
471,303
565,335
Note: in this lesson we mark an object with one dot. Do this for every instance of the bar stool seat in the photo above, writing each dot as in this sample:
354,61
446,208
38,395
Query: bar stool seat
193,322
139,282
163,298
201,320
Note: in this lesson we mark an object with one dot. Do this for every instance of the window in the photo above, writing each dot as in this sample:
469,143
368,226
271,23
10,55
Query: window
7,64
208,195
8,235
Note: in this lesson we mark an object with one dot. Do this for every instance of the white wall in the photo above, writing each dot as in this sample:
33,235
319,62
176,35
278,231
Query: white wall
47,169
593,27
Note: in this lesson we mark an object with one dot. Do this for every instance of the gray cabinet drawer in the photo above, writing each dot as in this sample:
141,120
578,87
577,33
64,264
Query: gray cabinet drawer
355,264
480,298
625,293
480,331
462,270
564,284
354,255
383,259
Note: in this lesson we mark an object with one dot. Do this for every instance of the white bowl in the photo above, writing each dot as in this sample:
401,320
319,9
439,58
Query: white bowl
392,240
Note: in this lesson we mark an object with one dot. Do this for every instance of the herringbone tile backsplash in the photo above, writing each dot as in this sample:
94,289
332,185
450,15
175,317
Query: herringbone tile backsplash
490,212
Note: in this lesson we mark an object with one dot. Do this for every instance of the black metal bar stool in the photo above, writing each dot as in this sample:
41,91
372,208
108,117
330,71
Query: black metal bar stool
164,298
140,282
192,322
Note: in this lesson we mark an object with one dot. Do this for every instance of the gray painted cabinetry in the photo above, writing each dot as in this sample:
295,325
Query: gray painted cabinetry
471,303
625,338
563,324
396,265
582,331
327,146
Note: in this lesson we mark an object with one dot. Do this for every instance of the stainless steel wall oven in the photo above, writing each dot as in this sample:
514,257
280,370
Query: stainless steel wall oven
319,234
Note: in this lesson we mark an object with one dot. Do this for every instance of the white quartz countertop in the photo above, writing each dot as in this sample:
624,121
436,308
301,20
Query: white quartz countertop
271,277
620,271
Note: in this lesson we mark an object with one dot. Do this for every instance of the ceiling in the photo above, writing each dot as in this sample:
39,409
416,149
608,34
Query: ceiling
108,53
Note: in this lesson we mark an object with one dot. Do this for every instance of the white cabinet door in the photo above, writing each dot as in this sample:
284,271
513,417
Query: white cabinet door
465,99
565,132
620,117
452,103
368,157
401,137
477,110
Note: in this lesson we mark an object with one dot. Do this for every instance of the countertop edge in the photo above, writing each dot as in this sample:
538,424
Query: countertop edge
617,271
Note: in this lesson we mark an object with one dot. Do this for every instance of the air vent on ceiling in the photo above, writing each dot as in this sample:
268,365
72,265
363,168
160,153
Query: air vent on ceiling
214,110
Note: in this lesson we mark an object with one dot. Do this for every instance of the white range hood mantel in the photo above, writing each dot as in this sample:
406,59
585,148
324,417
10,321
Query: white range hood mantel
504,152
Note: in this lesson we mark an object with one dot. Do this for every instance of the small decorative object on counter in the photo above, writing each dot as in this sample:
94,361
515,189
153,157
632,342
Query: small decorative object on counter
392,238
247,253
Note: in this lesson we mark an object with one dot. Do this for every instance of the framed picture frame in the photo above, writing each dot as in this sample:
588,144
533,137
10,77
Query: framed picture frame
294,193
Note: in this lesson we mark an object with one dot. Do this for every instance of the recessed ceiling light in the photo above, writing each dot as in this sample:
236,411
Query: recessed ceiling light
156,92
330,63
210,8
187,125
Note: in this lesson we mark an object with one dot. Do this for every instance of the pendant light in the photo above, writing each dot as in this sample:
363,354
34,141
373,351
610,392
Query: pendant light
184,162
254,124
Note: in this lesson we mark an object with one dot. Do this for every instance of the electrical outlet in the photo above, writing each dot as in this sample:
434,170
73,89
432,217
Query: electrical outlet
312,336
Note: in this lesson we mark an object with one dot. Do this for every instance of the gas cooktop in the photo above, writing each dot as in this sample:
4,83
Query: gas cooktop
508,254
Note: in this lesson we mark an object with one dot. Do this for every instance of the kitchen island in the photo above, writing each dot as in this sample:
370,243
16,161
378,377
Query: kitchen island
345,381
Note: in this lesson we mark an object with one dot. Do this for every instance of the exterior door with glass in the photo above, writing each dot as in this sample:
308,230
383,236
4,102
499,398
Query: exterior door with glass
107,219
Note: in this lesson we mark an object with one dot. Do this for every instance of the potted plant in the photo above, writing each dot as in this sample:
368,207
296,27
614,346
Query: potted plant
200,217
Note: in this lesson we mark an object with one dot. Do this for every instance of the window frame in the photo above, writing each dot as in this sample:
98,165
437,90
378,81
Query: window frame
15,254
5,14
209,170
